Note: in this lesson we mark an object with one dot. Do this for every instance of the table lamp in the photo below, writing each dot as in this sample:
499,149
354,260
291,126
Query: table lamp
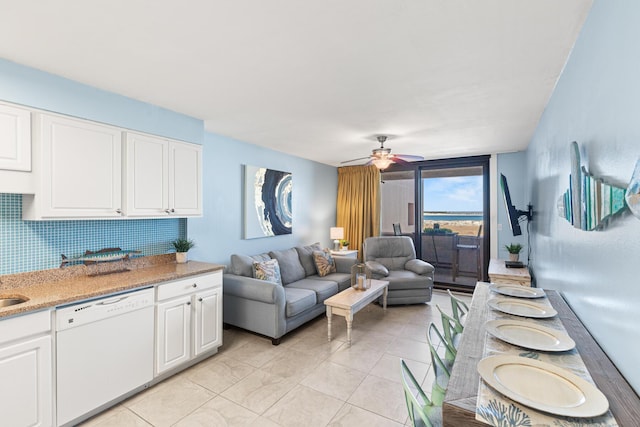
337,234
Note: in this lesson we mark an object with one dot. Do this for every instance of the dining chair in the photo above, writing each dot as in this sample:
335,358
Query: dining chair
422,410
460,310
449,329
441,367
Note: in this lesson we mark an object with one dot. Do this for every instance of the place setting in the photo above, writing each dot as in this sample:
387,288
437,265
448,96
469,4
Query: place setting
532,374
513,290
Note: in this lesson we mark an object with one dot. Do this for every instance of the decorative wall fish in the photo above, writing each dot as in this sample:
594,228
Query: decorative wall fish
103,255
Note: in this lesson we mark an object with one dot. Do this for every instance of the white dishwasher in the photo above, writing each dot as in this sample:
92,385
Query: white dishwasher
104,349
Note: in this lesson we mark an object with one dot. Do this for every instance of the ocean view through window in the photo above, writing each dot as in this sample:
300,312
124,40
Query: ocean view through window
443,206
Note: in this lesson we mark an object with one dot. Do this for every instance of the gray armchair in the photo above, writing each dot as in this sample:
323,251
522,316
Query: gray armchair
393,258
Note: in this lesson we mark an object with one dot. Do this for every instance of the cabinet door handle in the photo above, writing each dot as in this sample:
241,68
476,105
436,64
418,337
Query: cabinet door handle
195,285
188,302
119,211
200,299
170,211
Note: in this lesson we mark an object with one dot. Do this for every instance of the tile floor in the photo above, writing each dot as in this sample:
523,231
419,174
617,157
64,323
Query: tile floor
305,381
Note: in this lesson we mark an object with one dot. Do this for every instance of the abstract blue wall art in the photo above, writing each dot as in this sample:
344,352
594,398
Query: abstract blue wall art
267,207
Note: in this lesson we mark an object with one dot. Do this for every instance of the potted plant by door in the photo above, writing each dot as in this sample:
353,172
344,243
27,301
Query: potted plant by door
514,251
182,246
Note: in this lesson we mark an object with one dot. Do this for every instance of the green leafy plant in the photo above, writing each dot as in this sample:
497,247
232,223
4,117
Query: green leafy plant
183,245
513,248
344,242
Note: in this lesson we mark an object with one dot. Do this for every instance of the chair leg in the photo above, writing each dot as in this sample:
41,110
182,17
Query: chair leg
275,341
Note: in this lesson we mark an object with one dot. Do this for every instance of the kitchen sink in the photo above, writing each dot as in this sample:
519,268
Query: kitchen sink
7,301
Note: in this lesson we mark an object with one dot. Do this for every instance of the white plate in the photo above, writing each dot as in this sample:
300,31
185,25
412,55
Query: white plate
517,291
543,386
530,335
522,308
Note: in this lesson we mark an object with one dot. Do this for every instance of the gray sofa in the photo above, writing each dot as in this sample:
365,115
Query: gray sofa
393,258
271,309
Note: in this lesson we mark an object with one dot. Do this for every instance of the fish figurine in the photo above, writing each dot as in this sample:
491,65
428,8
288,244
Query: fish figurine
103,255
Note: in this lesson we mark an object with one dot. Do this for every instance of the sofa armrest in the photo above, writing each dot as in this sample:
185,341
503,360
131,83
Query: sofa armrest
377,269
344,264
253,289
419,266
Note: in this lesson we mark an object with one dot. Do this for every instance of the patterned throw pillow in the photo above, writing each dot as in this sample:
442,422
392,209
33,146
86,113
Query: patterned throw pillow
324,262
268,271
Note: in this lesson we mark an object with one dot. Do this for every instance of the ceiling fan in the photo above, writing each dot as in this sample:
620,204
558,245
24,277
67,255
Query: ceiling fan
382,157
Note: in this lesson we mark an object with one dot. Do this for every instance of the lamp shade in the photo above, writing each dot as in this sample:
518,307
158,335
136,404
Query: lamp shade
336,233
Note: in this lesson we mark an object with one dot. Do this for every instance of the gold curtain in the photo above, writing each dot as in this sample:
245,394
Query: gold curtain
358,205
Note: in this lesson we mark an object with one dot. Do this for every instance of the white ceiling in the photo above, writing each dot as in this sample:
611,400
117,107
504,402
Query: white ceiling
316,79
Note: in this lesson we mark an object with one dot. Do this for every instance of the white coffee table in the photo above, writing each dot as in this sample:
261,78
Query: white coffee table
350,301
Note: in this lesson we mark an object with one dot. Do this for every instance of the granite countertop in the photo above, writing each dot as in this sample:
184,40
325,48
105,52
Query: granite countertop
45,293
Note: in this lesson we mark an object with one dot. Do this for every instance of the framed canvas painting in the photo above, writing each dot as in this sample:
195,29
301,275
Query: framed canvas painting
267,202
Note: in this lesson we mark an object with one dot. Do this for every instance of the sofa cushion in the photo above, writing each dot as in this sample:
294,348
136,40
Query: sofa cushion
290,266
268,271
298,300
323,288
342,279
324,262
305,253
242,265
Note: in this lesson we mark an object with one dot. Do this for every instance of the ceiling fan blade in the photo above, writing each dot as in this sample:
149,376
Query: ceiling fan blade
408,157
354,160
399,161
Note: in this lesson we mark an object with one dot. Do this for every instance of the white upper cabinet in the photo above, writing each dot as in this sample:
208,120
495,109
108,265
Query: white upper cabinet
79,170
146,175
15,138
162,177
185,179
15,150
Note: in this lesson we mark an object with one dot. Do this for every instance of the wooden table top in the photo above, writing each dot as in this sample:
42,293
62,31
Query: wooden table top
460,400
497,267
351,297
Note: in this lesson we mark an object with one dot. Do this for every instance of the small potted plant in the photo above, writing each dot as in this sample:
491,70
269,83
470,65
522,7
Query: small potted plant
345,244
182,246
514,251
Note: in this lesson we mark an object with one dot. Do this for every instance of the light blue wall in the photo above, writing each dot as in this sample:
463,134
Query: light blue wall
219,233
34,88
513,166
27,246
596,103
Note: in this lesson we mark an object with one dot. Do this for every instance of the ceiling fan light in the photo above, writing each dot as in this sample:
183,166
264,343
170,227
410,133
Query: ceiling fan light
382,163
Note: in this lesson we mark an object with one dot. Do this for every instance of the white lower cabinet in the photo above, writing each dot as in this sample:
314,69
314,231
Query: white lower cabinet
26,387
188,320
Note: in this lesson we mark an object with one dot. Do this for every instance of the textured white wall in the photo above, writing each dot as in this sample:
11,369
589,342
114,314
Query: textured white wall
596,103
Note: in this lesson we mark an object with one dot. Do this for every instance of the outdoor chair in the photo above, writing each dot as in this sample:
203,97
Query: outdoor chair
471,243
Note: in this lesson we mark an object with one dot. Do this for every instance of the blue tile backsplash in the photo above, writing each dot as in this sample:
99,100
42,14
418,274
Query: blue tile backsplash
37,245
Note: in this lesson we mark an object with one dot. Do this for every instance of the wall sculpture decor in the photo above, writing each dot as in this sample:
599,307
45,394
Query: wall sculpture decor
267,202
632,196
590,202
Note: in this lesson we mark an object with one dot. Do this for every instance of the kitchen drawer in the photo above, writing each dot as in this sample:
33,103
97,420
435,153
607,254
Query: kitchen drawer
188,285
23,326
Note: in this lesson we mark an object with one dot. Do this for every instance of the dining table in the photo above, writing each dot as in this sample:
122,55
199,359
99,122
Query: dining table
461,399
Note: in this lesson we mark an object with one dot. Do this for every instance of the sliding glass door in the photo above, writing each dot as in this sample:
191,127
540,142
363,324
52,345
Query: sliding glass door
443,206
